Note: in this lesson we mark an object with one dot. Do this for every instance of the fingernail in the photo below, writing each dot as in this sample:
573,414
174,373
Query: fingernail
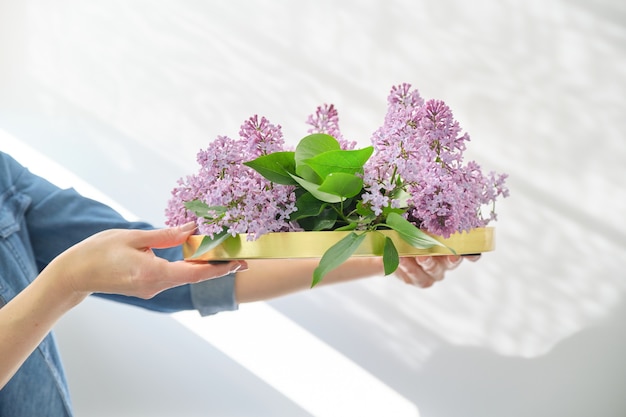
188,227
239,266
426,262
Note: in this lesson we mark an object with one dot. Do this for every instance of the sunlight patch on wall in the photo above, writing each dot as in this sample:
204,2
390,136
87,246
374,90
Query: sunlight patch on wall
295,362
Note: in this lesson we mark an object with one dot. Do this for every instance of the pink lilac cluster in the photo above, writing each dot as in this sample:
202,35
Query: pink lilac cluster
418,161
253,204
326,120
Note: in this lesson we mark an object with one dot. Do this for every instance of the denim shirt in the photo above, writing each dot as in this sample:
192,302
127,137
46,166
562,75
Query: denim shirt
38,221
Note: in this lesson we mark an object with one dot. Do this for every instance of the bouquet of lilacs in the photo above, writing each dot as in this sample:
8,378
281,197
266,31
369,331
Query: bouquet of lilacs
412,179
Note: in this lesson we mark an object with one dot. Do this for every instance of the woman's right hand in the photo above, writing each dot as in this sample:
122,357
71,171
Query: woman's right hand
121,261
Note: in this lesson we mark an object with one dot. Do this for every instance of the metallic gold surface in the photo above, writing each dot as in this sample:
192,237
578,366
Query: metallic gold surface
314,244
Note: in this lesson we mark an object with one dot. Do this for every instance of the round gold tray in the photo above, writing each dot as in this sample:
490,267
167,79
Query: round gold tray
314,244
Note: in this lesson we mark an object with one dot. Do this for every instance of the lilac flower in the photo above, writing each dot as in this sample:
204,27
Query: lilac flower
402,97
260,137
326,120
253,204
419,149
437,126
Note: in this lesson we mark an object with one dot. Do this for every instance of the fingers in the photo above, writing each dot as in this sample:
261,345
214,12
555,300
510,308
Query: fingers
192,272
450,262
411,272
424,271
164,238
433,267
162,275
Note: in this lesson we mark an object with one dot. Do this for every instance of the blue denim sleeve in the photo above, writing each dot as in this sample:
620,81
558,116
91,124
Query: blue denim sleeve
58,219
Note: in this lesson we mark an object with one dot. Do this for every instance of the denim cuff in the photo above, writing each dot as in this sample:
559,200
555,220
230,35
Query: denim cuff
214,295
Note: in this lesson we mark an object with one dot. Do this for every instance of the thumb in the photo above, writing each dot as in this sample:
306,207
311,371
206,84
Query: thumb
166,238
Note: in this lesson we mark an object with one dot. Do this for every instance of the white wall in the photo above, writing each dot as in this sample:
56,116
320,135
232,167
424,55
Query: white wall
123,94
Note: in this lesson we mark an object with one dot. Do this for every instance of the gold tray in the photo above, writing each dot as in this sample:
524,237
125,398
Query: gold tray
313,245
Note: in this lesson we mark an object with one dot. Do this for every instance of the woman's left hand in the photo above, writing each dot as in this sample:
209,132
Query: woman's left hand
424,271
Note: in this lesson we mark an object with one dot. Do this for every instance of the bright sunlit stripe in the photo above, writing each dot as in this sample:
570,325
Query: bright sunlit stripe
296,363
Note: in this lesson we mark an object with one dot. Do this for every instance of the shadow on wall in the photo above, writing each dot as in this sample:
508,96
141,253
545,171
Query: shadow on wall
524,387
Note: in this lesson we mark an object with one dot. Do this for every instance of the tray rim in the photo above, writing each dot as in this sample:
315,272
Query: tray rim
313,244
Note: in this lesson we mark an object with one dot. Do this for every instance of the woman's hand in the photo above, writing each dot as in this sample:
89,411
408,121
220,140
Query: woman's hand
122,262
424,271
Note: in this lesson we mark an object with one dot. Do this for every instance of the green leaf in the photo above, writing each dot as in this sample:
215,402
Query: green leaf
207,243
411,234
342,184
391,259
315,144
203,210
363,210
309,147
349,162
314,189
276,167
349,226
388,210
336,255
324,221
308,206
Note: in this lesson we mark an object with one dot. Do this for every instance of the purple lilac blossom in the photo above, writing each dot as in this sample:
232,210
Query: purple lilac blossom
260,137
254,205
326,120
419,148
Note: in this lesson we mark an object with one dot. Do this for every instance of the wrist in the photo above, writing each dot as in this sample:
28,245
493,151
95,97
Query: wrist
60,287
